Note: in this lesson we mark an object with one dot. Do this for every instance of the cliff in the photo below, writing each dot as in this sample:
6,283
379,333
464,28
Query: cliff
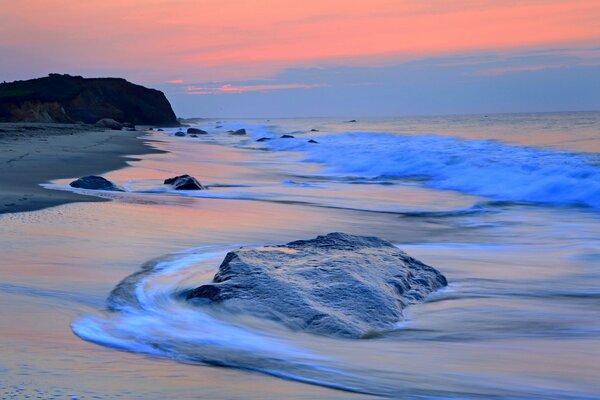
66,98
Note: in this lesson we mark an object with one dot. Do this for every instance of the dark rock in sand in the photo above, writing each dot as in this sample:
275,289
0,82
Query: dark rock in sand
193,135
263,139
314,130
67,99
352,120
179,133
239,132
287,137
95,183
160,130
197,131
184,182
312,141
335,285
109,123
219,126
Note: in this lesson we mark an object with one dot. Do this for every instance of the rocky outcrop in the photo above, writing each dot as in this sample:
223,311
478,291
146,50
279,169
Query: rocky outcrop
184,182
95,183
67,99
335,285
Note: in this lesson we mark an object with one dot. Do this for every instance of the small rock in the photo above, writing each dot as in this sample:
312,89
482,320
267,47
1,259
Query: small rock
95,183
109,123
197,131
160,130
314,130
263,139
219,126
287,136
352,120
193,135
312,141
184,182
128,125
179,133
239,132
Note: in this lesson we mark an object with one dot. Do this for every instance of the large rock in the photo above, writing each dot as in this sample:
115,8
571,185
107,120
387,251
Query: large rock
65,98
334,285
109,123
95,183
184,182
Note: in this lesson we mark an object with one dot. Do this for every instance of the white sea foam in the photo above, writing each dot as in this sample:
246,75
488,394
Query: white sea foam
479,167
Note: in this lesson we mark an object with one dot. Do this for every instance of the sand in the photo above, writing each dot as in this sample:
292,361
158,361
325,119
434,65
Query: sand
35,153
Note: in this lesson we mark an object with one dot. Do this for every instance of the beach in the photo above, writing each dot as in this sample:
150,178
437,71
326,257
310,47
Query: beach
518,320
34,153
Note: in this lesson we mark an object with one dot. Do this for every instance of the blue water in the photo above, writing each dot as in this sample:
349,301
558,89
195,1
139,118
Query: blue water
507,207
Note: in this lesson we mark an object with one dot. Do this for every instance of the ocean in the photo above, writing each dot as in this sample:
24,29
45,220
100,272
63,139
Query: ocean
506,206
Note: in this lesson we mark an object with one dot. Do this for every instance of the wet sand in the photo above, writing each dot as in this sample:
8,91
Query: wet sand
34,153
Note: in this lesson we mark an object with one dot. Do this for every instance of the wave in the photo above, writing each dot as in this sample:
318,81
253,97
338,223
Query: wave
148,316
479,167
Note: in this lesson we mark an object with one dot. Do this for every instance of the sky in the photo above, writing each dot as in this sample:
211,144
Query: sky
310,58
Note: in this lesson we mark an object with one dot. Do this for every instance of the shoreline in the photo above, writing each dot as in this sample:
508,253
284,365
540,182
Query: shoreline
35,153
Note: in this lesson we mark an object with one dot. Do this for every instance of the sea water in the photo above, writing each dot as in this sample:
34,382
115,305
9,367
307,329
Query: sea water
506,206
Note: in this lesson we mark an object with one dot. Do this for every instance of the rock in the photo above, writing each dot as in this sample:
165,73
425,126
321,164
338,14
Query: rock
197,131
193,135
179,133
287,136
160,130
314,130
128,125
334,285
312,141
263,139
219,126
67,99
184,182
95,183
239,132
352,120
109,123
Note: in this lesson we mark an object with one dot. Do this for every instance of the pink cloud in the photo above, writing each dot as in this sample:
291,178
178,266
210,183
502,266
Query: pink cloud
532,68
229,88
176,81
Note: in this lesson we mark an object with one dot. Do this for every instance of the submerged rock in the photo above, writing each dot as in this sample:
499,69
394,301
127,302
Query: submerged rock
287,136
335,285
314,130
239,132
263,139
184,182
312,141
197,131
95,183
179,133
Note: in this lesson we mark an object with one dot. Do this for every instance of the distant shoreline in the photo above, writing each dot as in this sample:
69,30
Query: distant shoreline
34,153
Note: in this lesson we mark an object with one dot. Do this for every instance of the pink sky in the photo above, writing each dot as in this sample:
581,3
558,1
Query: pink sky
201,41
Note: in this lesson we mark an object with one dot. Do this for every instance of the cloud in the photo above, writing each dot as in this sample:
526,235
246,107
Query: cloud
176,81
233,89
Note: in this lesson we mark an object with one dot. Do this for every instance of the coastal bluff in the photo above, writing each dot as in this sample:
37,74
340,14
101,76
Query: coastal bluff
60,98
